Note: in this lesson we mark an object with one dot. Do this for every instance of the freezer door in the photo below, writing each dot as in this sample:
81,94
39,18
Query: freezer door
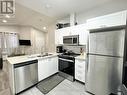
104,74
107,43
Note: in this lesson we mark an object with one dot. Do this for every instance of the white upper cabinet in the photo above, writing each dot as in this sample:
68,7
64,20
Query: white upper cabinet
80,30
115,19
59,35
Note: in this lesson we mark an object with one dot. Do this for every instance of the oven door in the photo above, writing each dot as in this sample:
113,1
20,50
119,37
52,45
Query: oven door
66,66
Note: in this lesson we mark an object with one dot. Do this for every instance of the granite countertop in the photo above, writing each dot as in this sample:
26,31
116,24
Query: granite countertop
25,58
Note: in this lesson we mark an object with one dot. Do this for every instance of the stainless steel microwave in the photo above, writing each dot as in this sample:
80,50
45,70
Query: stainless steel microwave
71,40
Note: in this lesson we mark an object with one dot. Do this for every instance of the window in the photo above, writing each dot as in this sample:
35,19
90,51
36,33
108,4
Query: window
8,43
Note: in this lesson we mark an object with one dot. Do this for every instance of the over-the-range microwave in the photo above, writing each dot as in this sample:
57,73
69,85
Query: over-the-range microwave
71,40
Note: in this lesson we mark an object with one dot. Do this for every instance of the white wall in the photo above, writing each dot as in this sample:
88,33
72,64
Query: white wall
36,36
107,8
24,32
9,28
39,40
104,9
50,39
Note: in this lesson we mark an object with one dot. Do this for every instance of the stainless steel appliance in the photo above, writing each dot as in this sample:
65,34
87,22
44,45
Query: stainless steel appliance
71,40
124,85
59,49
105,60
24,42
25,75
124,82
67,66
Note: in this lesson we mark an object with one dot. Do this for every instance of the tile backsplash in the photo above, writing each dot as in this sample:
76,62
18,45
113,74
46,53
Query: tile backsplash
75,49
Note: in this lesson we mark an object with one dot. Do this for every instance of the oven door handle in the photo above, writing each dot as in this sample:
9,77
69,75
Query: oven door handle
65,60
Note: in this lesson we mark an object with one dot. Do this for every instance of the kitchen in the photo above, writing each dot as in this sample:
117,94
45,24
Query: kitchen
45,54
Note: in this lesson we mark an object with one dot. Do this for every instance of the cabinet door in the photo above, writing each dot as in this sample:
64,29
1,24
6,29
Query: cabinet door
80,70
43,71
53,65
115,19
80,30
47,67
83,34
59,35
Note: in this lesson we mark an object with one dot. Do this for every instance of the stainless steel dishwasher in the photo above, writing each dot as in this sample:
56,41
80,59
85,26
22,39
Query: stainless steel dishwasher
25,75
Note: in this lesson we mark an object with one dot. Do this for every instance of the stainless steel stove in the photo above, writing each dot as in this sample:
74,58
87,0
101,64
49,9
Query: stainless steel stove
67,65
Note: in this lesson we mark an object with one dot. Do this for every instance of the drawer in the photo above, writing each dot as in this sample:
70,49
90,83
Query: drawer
80,61
78,66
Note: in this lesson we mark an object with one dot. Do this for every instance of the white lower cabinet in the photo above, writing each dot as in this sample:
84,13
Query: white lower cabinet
80,70
47,67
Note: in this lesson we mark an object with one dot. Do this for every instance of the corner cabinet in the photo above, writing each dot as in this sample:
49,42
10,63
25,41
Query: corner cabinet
80,30
80,70
115,19
47,67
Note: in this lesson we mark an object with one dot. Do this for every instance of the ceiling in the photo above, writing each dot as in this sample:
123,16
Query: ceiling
25,16
60,8
43,13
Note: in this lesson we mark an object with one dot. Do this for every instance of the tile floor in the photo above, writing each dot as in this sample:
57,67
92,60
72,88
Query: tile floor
64,88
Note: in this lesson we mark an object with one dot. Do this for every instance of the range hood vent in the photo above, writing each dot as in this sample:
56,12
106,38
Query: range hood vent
72,19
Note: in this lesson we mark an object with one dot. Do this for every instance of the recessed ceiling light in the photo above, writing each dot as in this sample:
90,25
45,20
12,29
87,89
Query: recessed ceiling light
44,28
7,16
4,21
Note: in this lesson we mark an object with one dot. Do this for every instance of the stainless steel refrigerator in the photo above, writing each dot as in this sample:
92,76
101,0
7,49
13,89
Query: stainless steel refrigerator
105,60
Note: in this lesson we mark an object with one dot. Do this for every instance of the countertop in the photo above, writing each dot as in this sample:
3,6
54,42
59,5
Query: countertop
25,58
81,57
